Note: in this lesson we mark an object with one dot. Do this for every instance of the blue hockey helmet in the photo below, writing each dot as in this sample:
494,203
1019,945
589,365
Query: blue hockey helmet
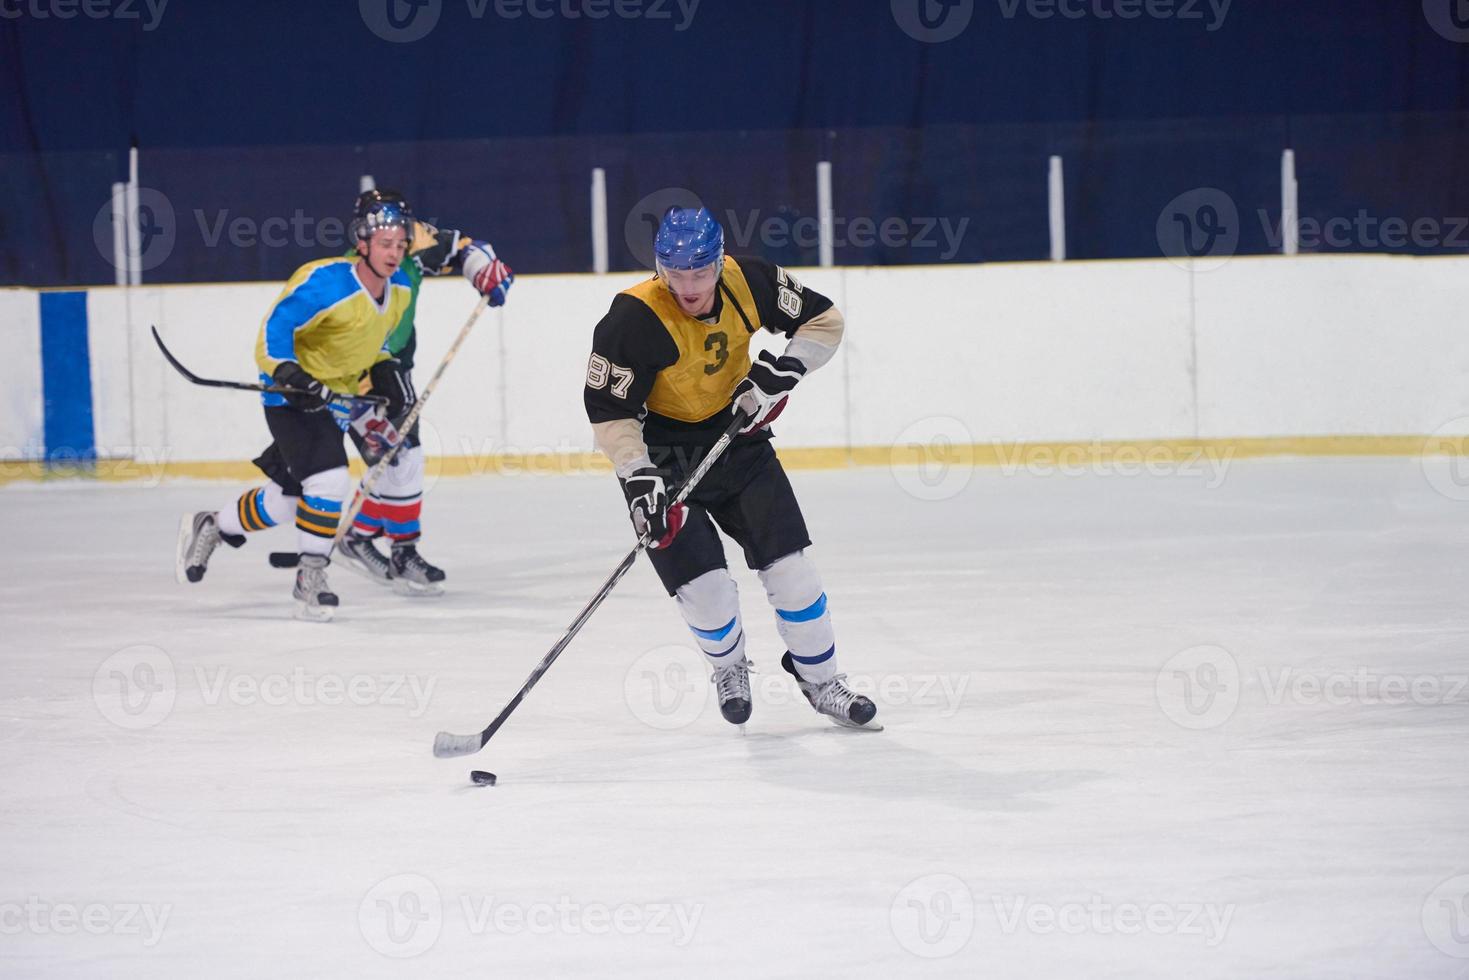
688,238
376,210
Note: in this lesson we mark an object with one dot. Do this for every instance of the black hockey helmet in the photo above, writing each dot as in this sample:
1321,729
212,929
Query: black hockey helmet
379,209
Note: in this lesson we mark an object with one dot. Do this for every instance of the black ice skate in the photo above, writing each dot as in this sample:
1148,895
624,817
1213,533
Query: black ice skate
315,599
732,685
412,575
835,700
360,555
199,535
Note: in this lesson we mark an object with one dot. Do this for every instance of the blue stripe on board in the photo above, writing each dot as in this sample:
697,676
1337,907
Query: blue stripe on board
66,378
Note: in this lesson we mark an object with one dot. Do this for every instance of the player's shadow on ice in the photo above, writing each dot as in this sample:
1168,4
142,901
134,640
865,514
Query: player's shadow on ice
873,765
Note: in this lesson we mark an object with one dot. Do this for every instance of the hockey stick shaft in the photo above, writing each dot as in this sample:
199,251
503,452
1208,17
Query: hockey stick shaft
242,385
410,420
448,745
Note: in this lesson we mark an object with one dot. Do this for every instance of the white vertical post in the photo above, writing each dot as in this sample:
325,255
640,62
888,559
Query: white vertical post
120,231
825,216
365,183
1290,212
1056,195
134,222
599,220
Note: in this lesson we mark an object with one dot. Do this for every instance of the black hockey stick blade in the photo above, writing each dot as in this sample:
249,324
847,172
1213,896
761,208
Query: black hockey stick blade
241,385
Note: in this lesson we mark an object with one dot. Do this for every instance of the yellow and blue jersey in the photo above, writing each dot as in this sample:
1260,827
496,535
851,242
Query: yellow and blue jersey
326,321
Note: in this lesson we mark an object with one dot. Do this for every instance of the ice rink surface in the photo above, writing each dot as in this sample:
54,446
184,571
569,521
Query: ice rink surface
1137,726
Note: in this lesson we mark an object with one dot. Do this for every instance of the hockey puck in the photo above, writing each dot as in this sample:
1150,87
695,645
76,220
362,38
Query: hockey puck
482,778
284,559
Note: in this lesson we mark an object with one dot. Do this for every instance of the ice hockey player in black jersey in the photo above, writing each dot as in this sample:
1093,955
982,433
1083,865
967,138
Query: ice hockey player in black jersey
670,363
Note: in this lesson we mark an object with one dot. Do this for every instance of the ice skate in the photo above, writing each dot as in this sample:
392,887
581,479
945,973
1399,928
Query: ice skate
199,535
835,700
360,555
315,600
412,575
732,686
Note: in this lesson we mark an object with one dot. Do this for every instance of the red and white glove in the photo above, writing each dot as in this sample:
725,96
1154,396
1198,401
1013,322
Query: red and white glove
762,395
370,421
489,276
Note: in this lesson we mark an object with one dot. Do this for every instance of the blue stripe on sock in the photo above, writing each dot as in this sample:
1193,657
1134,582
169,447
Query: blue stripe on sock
816,610
323,504
66,378
730,649
812,661
718,634
408,527
260,508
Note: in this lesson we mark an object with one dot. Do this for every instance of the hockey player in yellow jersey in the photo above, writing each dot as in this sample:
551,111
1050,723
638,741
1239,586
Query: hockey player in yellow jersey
327,329
670,365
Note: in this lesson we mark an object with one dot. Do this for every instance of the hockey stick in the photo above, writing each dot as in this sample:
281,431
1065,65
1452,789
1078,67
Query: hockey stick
378,468
246,386
448,745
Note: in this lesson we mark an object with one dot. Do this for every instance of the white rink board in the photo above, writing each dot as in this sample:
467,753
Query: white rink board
1038,352
22,420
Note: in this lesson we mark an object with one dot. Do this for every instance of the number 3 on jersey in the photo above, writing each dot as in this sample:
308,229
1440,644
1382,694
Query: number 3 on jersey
600,371
719,344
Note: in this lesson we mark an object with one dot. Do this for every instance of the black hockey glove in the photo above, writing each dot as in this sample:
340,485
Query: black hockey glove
647,504
393,383
314,395
762,395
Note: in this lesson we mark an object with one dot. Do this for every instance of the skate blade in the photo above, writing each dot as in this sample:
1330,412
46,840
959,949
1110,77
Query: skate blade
871,726
357,567
314,614
180,557
404,587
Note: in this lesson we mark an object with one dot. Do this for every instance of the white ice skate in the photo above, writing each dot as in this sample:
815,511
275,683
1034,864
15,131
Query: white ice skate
360,555
199,535
836,700
412,575
732,686
315,600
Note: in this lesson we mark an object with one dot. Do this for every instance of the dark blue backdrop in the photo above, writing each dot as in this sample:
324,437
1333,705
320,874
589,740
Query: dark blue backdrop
493,122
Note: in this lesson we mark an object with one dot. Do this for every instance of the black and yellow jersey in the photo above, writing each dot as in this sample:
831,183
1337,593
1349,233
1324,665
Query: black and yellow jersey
654,362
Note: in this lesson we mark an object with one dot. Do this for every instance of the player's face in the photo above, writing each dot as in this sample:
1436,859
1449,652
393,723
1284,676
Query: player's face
693,288
385,251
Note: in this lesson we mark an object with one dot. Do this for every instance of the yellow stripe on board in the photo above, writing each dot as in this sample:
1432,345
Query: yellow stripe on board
1018,455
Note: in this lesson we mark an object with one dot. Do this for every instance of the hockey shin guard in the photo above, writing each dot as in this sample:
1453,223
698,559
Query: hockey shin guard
794,588
396,501
710,604
256,510
319,510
